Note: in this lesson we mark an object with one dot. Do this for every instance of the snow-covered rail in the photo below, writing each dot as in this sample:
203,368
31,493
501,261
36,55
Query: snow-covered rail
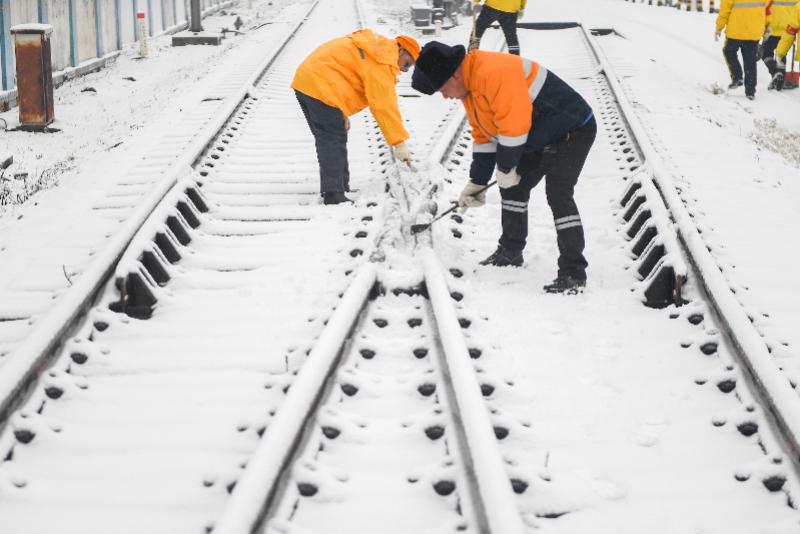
23,366
773,390
182,324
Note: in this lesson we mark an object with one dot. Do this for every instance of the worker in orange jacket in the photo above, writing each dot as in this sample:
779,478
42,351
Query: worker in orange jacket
528,124
339,79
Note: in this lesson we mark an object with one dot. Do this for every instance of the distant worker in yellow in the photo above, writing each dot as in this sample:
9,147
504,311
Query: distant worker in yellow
780,17
787,40
506,13
339,79
744,22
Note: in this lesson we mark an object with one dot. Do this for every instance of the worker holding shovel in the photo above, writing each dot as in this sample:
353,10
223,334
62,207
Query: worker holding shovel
529,124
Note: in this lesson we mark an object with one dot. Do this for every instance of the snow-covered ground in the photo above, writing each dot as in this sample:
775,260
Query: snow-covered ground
616,421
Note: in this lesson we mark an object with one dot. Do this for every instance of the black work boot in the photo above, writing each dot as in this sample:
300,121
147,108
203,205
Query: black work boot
334,198
735,83
504,257
777,82
566,284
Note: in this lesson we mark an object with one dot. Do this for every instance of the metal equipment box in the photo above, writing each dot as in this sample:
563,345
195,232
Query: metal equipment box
34,75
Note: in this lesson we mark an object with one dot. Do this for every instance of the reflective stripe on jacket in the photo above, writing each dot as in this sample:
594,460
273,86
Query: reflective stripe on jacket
515,105
781,16
509,6
745,20
353,72
790,33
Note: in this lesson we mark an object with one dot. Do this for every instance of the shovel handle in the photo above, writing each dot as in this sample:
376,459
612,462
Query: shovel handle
420,227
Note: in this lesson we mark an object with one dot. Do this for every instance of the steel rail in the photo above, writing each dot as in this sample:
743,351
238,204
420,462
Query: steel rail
29,360
771,387
258,489
491,486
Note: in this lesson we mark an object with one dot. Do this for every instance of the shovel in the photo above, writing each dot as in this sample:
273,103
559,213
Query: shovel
417,228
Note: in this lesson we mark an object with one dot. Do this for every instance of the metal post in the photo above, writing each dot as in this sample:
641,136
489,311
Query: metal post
98,25
118,19
6,53
196,24
135,5
43,15
174,12
73,33
150,18
163,16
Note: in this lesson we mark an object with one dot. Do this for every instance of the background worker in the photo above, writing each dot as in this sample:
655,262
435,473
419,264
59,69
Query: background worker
505,12
744,21
339,79
787,40
528,123
780,17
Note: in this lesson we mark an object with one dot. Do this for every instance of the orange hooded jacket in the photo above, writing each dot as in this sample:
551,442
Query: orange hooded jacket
353,72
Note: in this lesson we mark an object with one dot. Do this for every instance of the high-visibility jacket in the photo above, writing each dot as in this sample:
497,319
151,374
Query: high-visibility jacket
509,6
790,33
515,105
781,16
353,72
745,20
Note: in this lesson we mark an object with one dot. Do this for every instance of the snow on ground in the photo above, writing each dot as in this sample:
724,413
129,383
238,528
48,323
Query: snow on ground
610,416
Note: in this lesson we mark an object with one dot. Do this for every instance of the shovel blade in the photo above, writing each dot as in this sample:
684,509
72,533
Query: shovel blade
417,228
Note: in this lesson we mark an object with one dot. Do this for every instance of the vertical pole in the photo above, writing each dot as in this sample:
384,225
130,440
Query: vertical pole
150,18
6,53
98,24
164,16
135,5
196,24
174,12
43,15
118,20
73,33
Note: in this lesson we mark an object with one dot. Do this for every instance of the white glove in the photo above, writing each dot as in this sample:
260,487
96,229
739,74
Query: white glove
520,14
346,124
401,153
507,179
780,62
470,198
767,32
717,33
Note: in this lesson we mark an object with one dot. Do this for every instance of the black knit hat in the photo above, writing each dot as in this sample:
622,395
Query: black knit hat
436,63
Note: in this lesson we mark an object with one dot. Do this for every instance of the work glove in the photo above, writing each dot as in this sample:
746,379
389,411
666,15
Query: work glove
780,62
507,179
401,153
474,44
520,14
346,124
470,198
717,34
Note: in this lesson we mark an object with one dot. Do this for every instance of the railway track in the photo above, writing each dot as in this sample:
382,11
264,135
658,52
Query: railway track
247,368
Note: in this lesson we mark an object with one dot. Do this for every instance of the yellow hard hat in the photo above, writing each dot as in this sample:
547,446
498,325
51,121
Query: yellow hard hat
410,44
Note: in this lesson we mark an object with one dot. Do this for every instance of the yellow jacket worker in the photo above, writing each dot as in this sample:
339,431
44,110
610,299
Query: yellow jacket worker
744,22
788,38
506,13
781,16
339,79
